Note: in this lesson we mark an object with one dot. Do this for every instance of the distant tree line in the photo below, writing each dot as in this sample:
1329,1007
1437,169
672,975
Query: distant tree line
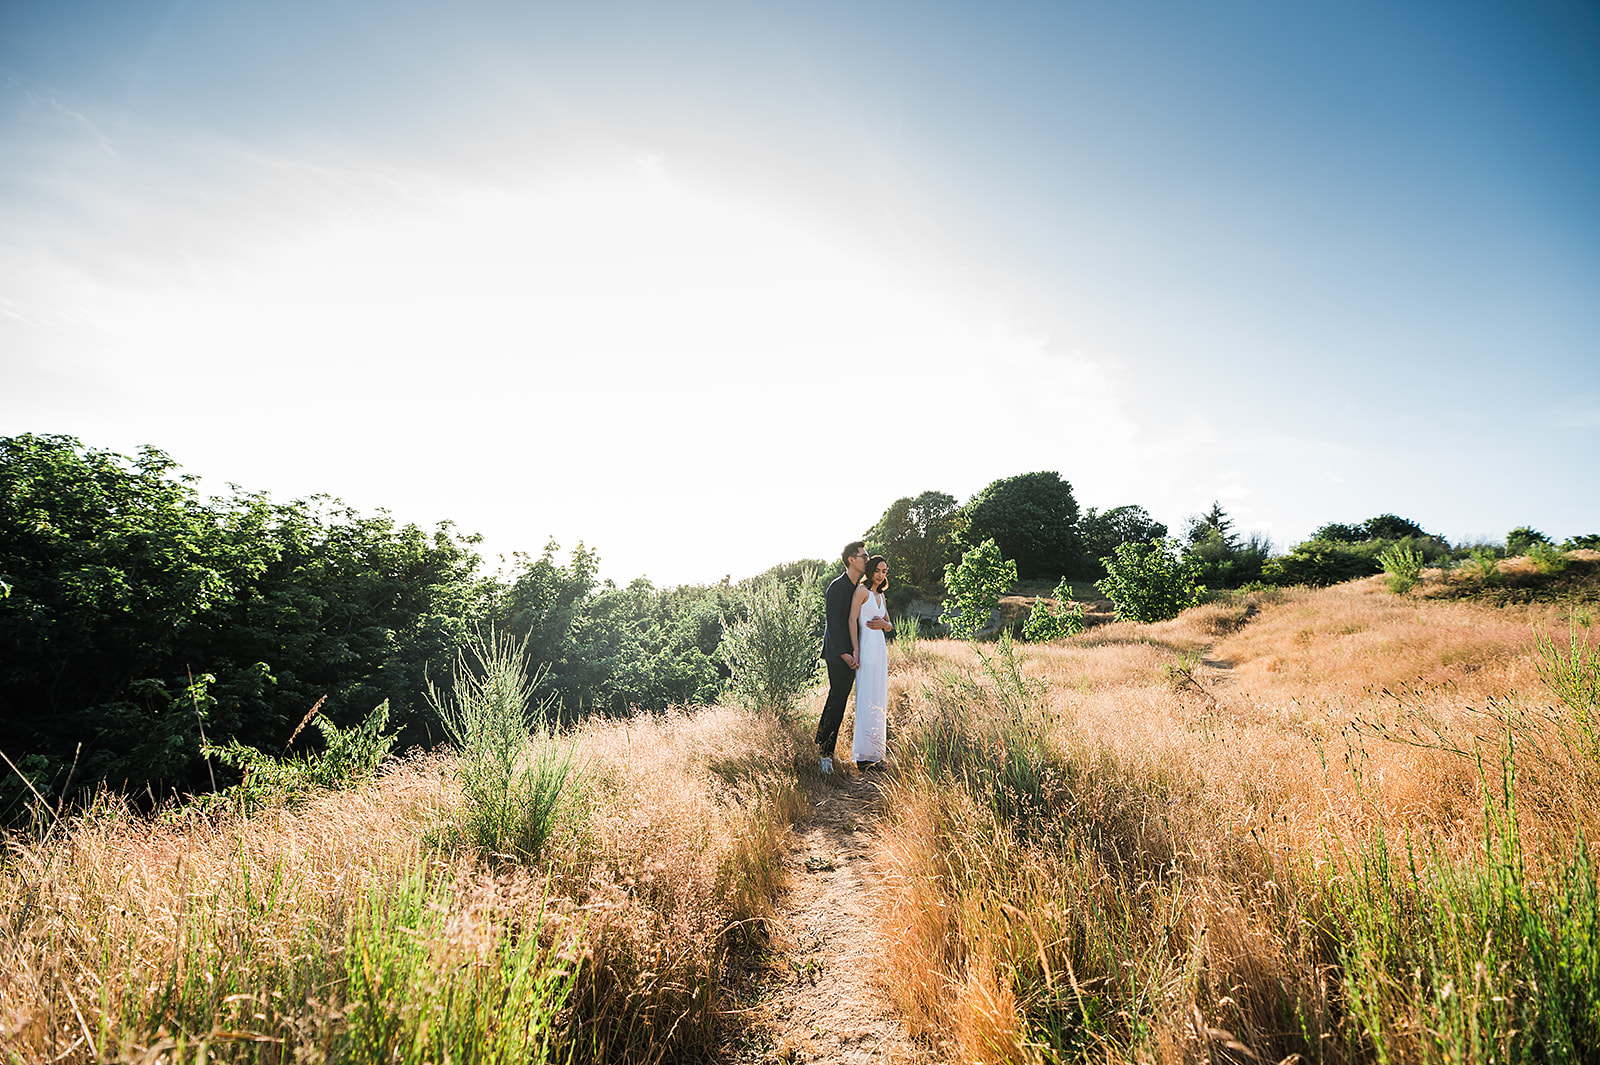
1034,521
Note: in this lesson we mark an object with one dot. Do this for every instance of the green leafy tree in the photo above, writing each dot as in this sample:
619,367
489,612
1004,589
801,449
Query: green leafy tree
1339,533
1391,527
1033,518
609,650
111,561
1224,565
1383,527
919,537
670,658
545,607
127,586
974,587
644,649
330,601
1151,582
1520,539
1102,531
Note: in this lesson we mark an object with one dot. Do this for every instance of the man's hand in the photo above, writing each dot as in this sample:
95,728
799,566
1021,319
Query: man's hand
879,623
852,661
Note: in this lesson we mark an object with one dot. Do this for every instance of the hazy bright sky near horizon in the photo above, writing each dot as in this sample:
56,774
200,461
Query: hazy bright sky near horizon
708,285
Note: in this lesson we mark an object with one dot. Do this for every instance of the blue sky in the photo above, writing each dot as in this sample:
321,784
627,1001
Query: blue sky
709,285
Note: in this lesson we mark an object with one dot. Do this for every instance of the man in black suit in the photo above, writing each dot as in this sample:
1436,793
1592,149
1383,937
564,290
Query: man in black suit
836,650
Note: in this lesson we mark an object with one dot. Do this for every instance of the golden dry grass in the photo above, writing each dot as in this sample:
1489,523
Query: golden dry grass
688,816
1271,737
100,916
691,815
1221,764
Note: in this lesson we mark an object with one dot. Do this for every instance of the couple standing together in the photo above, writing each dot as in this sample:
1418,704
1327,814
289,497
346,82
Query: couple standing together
854,647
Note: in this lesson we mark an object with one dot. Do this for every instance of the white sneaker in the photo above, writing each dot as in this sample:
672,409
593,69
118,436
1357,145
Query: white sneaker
827,766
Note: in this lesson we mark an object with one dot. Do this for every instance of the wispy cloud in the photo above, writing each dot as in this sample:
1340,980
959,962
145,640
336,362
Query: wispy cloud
1581,411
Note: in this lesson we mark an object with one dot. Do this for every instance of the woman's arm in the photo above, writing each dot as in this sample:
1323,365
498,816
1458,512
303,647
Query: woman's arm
855,621
880,622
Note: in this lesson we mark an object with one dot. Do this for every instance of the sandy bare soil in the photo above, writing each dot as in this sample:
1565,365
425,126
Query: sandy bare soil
818,996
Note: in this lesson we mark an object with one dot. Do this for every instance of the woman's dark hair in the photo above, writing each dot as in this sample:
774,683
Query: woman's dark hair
872,567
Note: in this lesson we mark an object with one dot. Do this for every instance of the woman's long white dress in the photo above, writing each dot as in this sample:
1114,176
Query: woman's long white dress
870,741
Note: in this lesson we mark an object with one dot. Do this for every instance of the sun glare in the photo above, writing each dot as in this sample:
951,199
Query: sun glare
688,347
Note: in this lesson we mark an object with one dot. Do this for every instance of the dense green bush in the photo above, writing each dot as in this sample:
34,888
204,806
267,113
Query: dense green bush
521,783
1324,562
348,757
1548,558
1225,564
1484,564
125,584
975,587
1054,620
774,652
1150,582
1402,566
613,650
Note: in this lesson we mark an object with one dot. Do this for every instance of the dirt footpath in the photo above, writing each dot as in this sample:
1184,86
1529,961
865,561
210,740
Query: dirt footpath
820,999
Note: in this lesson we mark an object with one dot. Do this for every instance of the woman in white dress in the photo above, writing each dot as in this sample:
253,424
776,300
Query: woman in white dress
869,620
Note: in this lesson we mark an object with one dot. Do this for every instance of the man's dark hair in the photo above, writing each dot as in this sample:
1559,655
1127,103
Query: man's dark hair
850,550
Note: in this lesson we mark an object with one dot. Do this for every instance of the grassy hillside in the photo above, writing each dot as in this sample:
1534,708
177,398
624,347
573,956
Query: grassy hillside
1343,825
1339,824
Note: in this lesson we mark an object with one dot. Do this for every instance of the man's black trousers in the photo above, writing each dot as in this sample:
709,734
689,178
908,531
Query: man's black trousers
841,678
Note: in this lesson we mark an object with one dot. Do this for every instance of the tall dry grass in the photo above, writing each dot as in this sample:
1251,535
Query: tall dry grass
691,818
347,929
1337,824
